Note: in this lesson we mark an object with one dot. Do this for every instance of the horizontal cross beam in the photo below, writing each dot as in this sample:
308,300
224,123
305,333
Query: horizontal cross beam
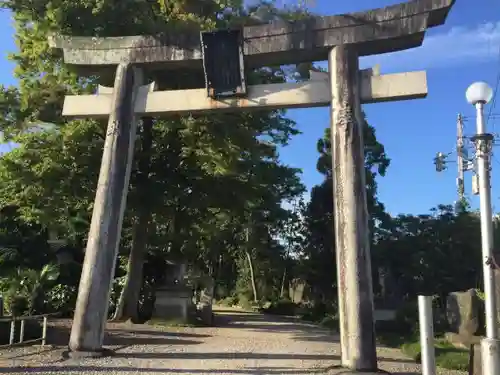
388,29
313,93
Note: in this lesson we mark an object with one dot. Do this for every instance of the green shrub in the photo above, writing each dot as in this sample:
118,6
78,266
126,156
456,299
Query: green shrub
229,301
406,321
16,305
244,301
62,298
313,312
412,350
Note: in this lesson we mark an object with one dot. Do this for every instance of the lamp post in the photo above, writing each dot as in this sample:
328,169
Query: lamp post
479,94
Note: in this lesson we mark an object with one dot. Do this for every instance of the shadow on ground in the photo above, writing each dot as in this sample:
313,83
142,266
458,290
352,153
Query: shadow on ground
301,331
59,336
226,355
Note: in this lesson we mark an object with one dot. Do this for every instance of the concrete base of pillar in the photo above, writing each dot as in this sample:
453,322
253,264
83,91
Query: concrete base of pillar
490,349
75,354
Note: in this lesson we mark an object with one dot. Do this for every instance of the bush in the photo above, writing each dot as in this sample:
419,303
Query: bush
16,305
229,301
244,302
313,312
62,298
406,321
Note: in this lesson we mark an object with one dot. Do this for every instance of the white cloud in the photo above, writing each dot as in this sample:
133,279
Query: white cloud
458,46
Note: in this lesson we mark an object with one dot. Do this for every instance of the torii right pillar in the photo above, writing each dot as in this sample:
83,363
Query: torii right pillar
357,335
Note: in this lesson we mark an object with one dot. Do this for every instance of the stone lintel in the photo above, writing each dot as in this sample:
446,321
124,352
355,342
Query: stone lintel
376,31
314,93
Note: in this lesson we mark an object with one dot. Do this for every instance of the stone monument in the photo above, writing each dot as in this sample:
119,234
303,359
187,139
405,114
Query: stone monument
174,299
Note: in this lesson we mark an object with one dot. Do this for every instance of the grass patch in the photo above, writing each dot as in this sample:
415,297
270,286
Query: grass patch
447,356
393,339
228,301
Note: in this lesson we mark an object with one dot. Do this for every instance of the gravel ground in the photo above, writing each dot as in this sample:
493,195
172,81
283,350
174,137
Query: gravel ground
242,343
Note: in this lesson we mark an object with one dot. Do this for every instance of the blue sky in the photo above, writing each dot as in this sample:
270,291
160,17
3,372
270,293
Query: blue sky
464,50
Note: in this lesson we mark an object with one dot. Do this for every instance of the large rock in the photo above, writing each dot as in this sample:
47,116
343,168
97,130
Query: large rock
463,311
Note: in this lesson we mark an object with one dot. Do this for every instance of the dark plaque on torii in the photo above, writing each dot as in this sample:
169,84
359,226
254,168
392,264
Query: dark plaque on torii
340,39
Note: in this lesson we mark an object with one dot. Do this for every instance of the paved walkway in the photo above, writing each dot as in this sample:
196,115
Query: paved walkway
242,343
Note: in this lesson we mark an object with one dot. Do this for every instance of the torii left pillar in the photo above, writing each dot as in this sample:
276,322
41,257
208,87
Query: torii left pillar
109,206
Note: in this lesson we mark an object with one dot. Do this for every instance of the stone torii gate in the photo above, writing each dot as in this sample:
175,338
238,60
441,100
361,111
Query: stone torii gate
340,39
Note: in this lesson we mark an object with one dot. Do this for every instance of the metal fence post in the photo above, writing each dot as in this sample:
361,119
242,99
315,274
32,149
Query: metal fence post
44,331
21,331
426,335
12,330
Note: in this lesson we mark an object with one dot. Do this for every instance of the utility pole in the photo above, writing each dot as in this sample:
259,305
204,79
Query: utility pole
464,164
460,158
479,94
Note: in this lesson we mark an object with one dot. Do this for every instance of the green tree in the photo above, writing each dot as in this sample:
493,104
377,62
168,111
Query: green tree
432,254
318,253
190,173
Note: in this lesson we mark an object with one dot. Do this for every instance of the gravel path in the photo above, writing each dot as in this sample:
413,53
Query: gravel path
242,343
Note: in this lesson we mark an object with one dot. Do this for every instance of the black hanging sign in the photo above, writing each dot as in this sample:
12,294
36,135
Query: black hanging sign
223,63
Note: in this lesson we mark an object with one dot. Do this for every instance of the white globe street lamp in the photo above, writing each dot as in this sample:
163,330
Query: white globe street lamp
479,94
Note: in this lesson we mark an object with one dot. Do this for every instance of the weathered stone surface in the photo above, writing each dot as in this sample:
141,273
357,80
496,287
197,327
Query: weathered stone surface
354,275
462,310
388,29
296,290
476,362
379,88
174,303
91,310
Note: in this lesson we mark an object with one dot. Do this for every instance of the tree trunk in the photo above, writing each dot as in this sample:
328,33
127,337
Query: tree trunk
252,277
282,293
127,307
250,266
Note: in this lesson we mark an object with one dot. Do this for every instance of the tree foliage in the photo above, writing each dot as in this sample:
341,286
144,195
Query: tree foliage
197,182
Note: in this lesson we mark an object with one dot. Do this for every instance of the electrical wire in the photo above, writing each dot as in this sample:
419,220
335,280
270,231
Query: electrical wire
495,90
